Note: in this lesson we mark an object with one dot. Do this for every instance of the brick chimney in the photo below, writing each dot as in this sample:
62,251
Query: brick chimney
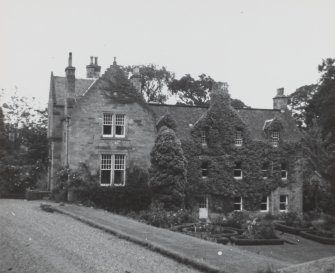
280,100
70,82
93,69
219,94
136,79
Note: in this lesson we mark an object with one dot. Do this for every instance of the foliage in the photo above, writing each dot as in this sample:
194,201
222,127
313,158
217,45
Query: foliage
135,196
168,170
158,216
259,229
154,81
23,145
168,121
220,124
293,219
298,101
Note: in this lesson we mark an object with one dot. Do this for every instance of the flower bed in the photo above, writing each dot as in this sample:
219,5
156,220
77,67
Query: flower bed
329,240
243,240
288,229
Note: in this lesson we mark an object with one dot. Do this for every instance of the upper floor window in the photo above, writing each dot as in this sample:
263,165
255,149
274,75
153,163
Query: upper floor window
283,171
203,138
265,204
265,170
113,125
113,170
238,138
283,203
107,129
238,203
119,125
238,170
275,138
204,169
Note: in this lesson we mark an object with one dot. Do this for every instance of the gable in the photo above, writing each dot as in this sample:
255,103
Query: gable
59,88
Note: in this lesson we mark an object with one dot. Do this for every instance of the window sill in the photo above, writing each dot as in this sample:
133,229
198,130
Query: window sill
113,138
238,178
112,185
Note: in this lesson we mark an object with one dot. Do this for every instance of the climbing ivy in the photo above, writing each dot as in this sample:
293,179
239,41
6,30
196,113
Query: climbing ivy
220,154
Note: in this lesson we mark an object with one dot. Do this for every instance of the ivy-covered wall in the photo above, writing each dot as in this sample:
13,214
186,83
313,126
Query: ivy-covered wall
220,155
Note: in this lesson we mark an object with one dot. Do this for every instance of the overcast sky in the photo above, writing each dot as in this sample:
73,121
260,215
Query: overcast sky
256,46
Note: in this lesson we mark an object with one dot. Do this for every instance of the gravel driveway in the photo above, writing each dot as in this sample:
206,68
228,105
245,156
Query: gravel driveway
35,241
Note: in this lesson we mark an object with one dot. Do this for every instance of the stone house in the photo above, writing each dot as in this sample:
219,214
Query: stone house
233,154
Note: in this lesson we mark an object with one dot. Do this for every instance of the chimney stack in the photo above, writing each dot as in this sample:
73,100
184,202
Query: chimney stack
93,69
70,84
219,94
280,101
136,79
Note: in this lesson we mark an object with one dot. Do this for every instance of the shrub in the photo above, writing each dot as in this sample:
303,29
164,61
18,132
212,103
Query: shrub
259,229
237,219
168,170
158,216
293,219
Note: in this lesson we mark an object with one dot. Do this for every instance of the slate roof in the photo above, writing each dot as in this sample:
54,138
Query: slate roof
59,88
253,118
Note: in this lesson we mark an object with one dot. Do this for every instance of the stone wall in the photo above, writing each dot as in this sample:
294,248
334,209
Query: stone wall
86,142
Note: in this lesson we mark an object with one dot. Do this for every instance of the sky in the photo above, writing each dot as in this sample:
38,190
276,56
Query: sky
256,46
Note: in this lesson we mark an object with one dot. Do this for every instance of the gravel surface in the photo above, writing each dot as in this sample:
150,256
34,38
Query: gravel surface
35,241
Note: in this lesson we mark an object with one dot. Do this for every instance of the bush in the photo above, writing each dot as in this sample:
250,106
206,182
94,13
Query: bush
157,216
237,219
259,229
293,219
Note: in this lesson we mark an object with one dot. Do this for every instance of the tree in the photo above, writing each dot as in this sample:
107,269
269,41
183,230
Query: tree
154,81
168,170
298,102
321,106
25,157
195,92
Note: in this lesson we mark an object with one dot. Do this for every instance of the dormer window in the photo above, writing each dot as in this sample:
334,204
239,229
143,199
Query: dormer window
265,170
203,138
275,138
204,169
283,171
238,138
238,170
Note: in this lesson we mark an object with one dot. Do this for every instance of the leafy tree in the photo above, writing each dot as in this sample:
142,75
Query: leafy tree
25,156
168,170
195,92
154,81
321,106
298,102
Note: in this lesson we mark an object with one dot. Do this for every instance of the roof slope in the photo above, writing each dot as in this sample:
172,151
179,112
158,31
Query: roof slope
253,118
60,88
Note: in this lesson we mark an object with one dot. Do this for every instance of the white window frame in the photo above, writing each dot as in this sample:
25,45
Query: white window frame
113,121
275,138
239,203
112,166
283,203
120,122
238,138
283,171
265,169
267,203
204,169
238,169
203,138
108,120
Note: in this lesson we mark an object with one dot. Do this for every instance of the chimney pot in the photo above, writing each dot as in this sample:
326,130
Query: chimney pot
91,59
70,59
96,60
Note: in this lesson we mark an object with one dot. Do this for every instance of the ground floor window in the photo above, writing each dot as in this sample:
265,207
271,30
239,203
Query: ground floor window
113,170
283,202
265,204
238,206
